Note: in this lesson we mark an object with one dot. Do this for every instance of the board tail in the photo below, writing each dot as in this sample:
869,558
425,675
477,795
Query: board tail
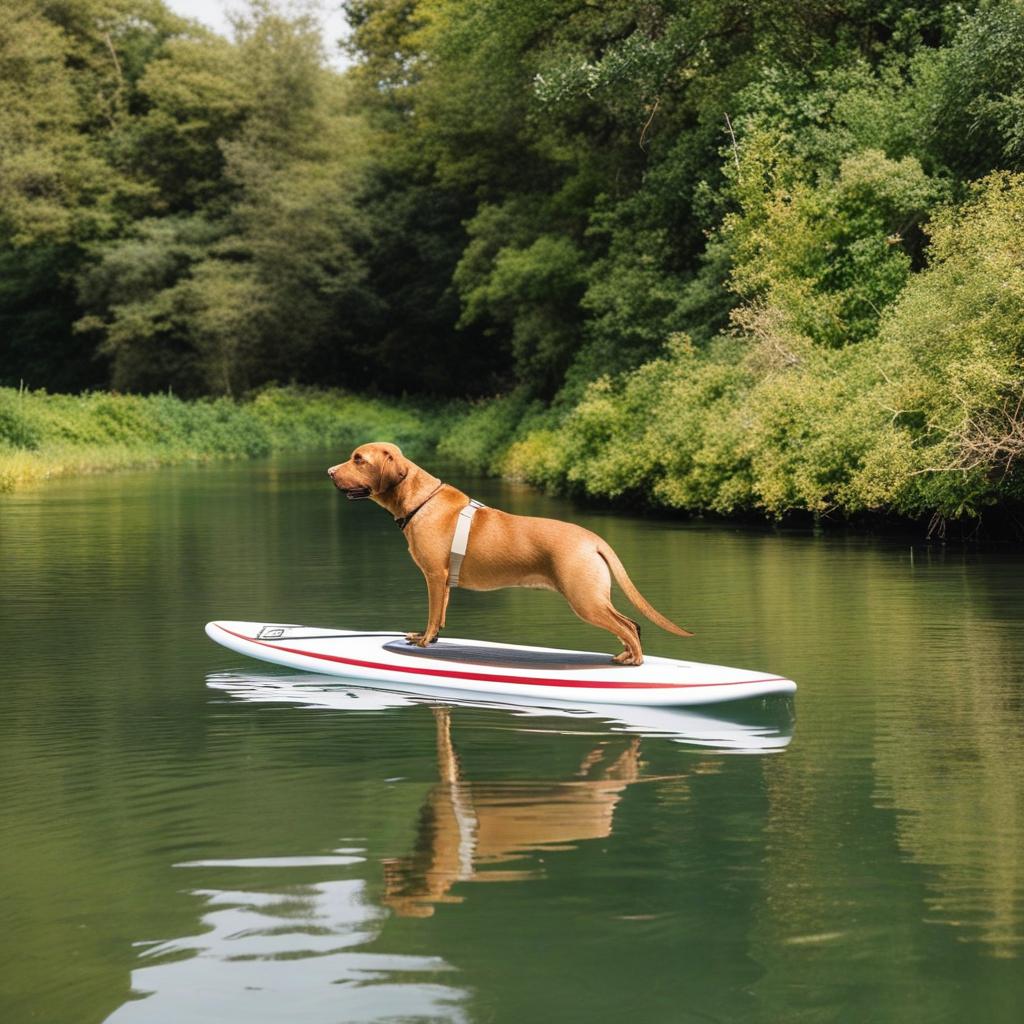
634,595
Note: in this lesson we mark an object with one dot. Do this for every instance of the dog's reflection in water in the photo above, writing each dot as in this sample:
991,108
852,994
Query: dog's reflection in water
466,826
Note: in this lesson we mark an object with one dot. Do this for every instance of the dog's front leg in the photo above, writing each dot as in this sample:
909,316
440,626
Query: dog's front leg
437,585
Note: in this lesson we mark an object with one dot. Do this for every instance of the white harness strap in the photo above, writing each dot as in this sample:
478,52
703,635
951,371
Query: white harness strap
460,541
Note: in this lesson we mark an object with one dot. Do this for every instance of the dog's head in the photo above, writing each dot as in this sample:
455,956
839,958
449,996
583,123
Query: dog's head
372,471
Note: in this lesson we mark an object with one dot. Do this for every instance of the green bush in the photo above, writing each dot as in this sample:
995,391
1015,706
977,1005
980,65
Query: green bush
955,345
17,428
481,435
925,417
829,254
46,435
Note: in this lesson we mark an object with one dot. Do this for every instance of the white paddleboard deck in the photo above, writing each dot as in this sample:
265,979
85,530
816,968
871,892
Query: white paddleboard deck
481,667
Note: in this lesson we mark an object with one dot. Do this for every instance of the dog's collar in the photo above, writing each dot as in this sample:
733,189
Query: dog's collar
403,521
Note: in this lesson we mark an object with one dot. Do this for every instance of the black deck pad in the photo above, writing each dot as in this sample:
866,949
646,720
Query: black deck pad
503,657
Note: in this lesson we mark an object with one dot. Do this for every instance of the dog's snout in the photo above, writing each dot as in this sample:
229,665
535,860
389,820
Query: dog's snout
330,471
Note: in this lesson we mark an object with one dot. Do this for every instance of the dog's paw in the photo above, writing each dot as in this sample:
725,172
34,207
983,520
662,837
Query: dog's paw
420,639
626,658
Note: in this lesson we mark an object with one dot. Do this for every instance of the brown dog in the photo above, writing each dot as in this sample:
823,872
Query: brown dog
504,550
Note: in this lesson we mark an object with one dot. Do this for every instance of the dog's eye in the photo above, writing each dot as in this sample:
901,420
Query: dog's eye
357,459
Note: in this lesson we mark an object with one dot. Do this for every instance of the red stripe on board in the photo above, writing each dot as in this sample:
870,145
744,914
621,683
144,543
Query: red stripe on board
487,677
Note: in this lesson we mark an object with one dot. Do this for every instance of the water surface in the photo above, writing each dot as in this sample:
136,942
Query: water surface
188,836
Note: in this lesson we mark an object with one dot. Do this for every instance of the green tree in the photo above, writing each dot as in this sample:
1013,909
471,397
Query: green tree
67,77
264,280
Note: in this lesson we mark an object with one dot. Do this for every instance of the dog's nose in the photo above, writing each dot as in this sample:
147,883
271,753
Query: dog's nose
330,472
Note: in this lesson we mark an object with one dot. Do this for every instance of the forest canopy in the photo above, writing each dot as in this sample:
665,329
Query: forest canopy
707,254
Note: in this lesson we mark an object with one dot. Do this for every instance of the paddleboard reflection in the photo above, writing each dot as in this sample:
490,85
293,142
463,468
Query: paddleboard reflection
752,727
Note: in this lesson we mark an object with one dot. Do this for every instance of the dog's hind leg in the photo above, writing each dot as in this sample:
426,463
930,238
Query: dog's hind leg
610,618
588,592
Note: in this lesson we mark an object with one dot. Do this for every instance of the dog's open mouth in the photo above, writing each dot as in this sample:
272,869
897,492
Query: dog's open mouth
357,493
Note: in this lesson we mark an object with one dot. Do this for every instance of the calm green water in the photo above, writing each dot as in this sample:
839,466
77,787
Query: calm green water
190,837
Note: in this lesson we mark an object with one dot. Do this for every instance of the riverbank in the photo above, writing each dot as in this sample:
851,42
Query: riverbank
703,434
43,436
598,452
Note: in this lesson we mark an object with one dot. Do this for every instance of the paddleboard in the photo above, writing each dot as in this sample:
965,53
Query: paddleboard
482,667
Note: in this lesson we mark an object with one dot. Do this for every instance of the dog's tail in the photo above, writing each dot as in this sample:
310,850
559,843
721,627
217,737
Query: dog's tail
638,599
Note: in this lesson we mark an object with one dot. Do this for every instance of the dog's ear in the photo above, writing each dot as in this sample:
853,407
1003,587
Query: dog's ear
392,472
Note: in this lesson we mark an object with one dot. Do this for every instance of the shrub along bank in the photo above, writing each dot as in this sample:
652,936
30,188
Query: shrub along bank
43,435
922,418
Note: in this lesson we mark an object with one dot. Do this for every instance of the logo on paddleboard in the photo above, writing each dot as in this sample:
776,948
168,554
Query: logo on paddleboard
270,633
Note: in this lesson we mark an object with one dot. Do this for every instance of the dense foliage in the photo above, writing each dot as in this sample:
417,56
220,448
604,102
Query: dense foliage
740,255
177,205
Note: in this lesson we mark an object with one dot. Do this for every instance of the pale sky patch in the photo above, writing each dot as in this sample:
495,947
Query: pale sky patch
214,14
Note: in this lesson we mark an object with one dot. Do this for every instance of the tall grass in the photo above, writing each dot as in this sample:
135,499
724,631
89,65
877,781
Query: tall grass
44,435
